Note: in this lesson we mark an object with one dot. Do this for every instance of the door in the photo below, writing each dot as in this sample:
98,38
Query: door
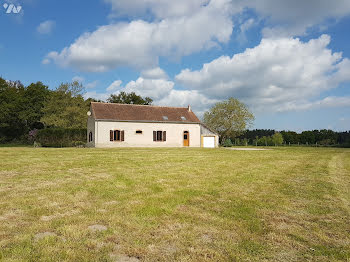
209,141
186,138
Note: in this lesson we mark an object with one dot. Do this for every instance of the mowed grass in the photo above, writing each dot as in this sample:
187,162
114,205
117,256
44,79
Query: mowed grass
285,204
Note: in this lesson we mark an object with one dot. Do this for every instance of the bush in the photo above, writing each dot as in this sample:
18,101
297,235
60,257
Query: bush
61,137
227,143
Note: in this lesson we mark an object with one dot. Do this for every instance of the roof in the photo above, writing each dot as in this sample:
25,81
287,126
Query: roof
127,112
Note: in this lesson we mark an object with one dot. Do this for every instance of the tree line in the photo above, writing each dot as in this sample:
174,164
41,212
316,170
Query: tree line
231,119
26,109
265,137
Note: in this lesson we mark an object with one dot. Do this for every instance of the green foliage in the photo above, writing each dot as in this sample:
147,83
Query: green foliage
277,139
227,143
129,98
61,137
20,108
66,107
229,118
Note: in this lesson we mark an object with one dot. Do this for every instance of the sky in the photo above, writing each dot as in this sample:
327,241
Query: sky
288,61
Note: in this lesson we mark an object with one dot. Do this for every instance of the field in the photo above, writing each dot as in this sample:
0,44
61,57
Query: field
76,204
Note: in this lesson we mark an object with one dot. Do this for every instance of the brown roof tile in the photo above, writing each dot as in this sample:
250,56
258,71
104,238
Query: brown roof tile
125,112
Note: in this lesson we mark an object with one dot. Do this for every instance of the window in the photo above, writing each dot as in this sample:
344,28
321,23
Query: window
165,118
138,131
183,118
90,137
159,136
116,135
185,135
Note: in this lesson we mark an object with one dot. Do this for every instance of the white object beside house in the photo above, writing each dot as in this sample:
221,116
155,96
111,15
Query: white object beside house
123,125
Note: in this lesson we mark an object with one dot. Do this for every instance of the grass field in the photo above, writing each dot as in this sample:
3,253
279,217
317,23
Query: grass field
285,204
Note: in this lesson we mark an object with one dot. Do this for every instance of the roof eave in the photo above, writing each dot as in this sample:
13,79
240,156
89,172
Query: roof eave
147,121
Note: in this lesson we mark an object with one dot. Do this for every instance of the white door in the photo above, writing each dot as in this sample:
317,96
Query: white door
209,141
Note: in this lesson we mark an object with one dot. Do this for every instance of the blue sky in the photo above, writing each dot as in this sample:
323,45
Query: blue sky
287,60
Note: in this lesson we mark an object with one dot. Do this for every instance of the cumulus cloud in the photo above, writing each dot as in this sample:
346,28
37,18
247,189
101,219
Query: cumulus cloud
96,95
154,73
246,25
92,85
114,86
154,88
46,27
198,101
159,9
295,17
328,102
78,78
139,44
277,75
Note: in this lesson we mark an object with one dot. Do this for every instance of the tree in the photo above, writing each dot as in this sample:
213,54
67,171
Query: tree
129,98
229,118
11,105
34,97
66,107
277,139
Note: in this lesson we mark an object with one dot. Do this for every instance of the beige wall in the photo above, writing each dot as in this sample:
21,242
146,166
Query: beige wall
174,134
206,132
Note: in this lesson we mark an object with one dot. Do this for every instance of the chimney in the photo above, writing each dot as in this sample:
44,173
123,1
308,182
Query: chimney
189,108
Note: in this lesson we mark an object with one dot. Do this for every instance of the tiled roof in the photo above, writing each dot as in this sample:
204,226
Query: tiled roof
126,112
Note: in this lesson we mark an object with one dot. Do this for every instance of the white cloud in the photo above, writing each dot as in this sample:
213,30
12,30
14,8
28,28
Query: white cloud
92,84
46,61
328,102
78,78
174,29
277,75
95,95
139,44
198,101
159,9
295,17
154,73
46,27
247,25
114,86
154,88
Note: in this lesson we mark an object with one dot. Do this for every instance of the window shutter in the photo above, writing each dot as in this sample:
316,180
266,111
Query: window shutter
122,135
164,135
111,135
154,135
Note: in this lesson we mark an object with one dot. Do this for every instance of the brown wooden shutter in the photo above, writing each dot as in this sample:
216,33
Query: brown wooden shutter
111,135
122,135
154,135
164,135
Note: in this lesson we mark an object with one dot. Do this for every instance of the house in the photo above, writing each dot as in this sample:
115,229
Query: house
123,125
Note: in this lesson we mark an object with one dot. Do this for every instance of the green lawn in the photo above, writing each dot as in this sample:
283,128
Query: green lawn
285,204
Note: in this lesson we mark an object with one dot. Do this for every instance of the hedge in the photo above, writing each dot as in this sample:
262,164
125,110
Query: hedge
61,137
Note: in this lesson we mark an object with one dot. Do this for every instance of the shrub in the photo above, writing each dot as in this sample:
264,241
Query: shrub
227,143
61,137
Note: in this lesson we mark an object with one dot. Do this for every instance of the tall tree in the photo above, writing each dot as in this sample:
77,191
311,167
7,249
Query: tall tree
66,107
277,139
11,105
229,118
34,97
129,98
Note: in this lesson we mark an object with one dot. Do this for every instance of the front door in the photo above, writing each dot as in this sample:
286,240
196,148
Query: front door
186,138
